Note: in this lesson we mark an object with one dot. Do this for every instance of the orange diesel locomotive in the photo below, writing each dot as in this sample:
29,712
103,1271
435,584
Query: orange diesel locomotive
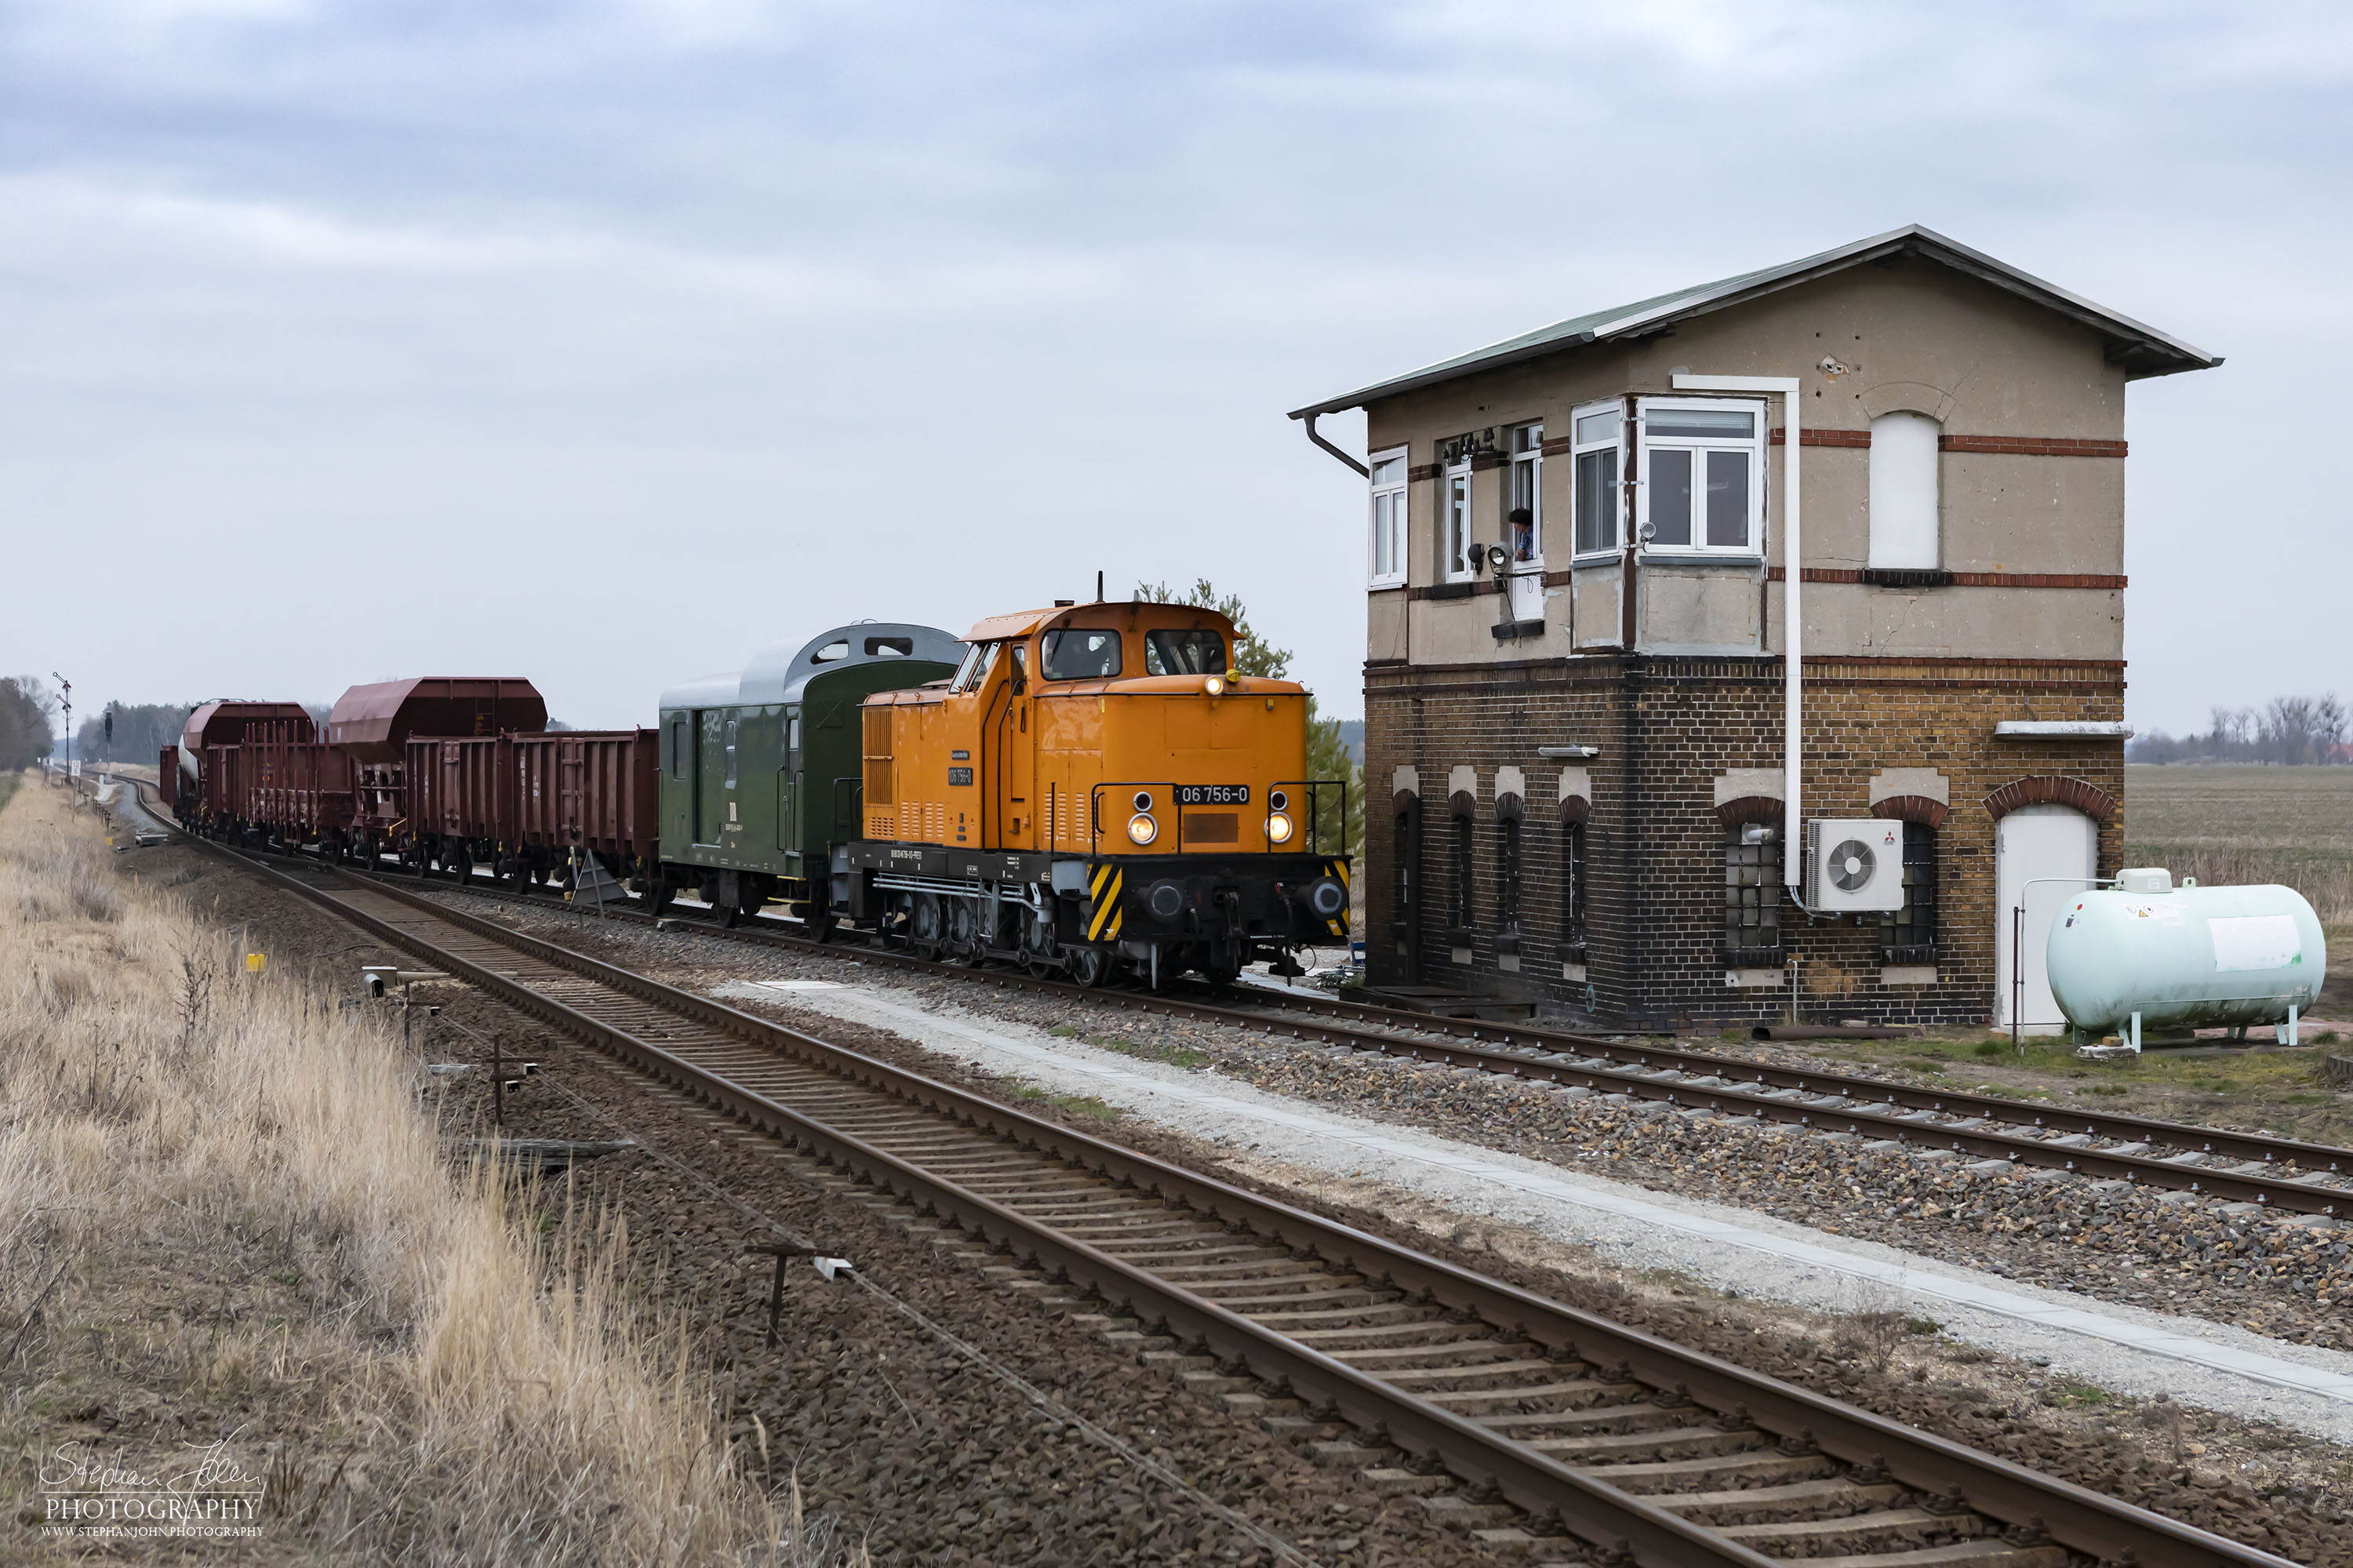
1095,790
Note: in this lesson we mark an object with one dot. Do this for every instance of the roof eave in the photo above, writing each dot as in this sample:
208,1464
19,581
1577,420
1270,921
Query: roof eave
2125,337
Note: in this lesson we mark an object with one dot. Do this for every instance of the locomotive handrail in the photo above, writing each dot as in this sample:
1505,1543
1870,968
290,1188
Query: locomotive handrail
1314,813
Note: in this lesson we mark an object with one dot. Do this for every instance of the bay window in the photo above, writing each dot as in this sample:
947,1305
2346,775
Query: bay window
1388,511
1596,438
1703,473
1454,523
1524,515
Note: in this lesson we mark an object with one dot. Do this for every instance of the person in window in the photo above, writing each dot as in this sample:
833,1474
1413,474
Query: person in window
1523,523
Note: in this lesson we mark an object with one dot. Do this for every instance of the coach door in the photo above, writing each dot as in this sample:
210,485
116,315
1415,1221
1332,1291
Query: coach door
714,776
788,802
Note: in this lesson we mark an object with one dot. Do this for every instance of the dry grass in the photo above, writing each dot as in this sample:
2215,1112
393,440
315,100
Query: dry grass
445,1387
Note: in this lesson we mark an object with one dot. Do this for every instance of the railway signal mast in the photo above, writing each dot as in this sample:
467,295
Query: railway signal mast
67,686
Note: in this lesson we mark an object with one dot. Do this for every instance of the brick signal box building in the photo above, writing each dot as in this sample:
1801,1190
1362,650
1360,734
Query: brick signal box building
1576,695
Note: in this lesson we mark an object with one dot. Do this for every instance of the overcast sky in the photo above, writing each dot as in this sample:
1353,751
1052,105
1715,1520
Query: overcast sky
606,343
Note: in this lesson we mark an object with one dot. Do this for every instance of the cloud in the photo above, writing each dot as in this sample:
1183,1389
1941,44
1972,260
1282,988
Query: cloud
720,316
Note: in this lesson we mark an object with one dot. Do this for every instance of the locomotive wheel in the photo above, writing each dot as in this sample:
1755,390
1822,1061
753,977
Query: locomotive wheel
1088,966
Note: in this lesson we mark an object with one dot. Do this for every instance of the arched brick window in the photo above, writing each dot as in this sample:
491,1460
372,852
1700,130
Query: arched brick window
1908,935
2050,789
1509,810
1463,807
1575,812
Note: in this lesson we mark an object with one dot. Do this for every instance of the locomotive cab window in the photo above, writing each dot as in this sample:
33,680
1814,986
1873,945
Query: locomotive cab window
1081,654
1184,653
977,664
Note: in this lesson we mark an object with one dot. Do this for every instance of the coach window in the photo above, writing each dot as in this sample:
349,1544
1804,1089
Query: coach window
1909,934
731,754
1703,476
678,748
1081,654
1388,512
1752,886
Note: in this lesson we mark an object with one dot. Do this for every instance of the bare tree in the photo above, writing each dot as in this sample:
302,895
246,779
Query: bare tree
2328,721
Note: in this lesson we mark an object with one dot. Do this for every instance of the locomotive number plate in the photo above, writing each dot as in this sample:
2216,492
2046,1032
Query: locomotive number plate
1213,794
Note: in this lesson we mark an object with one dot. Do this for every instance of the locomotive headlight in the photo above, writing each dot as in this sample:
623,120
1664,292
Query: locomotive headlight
1278,829
1215,685
1141,828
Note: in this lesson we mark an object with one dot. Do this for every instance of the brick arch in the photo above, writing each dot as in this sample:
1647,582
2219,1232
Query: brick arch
1749,809
1462,803
1924,810
1576,810
2050,789
1511,806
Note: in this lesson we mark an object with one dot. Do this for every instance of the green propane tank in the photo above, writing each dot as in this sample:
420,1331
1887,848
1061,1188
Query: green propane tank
2184,957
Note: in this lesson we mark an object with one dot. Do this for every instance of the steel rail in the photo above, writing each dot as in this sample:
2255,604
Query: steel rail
2076,1516
1601,1063
2312,1158
1632,1061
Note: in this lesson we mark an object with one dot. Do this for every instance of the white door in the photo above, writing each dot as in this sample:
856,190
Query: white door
2044,856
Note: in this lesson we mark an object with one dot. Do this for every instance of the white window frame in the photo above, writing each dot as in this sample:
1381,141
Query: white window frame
1753,548
1395,524
1452,566
1532,460
1577,450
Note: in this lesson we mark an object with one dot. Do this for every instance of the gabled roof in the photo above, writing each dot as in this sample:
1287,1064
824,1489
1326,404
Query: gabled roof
2143,350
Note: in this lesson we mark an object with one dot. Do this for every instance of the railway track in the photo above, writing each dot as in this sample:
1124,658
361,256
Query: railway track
2285,1174
1540,1428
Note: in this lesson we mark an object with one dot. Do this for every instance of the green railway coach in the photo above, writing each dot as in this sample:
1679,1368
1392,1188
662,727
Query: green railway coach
760,770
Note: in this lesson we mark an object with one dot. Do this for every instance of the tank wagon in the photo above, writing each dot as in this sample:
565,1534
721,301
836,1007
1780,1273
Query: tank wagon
1093,789
760,770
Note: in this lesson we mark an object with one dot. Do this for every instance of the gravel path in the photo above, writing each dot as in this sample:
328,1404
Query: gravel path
2126,1348
2257,1481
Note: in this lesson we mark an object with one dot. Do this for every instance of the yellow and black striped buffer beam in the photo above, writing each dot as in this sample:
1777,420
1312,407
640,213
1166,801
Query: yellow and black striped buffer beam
1104,892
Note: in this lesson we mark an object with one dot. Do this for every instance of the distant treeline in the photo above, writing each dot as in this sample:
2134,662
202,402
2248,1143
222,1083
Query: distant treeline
141,730
2287,732
26,705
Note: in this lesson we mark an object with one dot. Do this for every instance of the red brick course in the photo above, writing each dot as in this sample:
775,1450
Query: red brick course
2051,788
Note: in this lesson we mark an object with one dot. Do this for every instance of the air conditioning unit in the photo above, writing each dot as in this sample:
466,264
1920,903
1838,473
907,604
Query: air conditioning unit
1854,865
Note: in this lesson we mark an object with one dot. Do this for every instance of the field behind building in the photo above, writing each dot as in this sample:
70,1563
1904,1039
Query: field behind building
2232,823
